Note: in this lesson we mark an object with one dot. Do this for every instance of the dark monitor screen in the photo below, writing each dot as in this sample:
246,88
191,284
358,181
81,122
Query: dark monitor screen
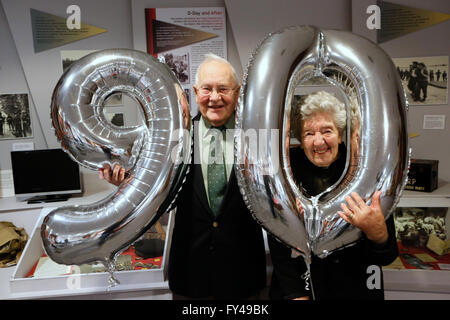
44,172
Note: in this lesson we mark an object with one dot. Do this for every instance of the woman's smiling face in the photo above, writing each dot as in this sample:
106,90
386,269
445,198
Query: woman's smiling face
320,138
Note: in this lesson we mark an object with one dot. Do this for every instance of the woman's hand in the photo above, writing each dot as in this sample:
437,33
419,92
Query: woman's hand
369,219
116,177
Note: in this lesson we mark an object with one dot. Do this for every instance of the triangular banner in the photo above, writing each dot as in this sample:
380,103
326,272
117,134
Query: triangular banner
50,31
168,36
398,20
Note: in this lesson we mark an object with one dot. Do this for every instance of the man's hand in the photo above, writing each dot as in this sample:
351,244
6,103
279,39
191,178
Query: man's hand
369,219
115,177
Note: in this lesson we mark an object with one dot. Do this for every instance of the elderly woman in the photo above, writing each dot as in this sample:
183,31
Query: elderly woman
317,165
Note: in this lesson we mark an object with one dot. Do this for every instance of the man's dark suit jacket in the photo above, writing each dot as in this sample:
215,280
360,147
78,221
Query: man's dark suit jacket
221,257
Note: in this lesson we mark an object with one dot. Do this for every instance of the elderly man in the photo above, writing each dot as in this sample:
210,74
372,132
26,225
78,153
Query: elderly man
217,249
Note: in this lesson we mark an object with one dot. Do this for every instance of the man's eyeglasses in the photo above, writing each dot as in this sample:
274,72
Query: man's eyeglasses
223,91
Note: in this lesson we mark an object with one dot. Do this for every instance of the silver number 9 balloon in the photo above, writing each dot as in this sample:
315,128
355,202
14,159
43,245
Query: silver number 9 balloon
154,154
379,159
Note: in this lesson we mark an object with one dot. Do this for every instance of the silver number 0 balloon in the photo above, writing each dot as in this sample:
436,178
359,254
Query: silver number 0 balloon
154,154
379,160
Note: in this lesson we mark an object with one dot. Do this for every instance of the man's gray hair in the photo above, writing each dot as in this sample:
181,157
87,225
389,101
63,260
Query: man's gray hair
212,57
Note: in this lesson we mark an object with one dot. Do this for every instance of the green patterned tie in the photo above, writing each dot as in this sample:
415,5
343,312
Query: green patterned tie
217,181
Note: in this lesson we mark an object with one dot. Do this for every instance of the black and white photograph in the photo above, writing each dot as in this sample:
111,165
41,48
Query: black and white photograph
425,79
179,65
293,140
15,118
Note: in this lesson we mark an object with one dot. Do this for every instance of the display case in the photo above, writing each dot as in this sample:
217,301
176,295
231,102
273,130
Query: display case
422,270
24,285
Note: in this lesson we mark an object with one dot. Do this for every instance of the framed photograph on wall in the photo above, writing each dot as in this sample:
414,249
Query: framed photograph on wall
425,79
15,117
